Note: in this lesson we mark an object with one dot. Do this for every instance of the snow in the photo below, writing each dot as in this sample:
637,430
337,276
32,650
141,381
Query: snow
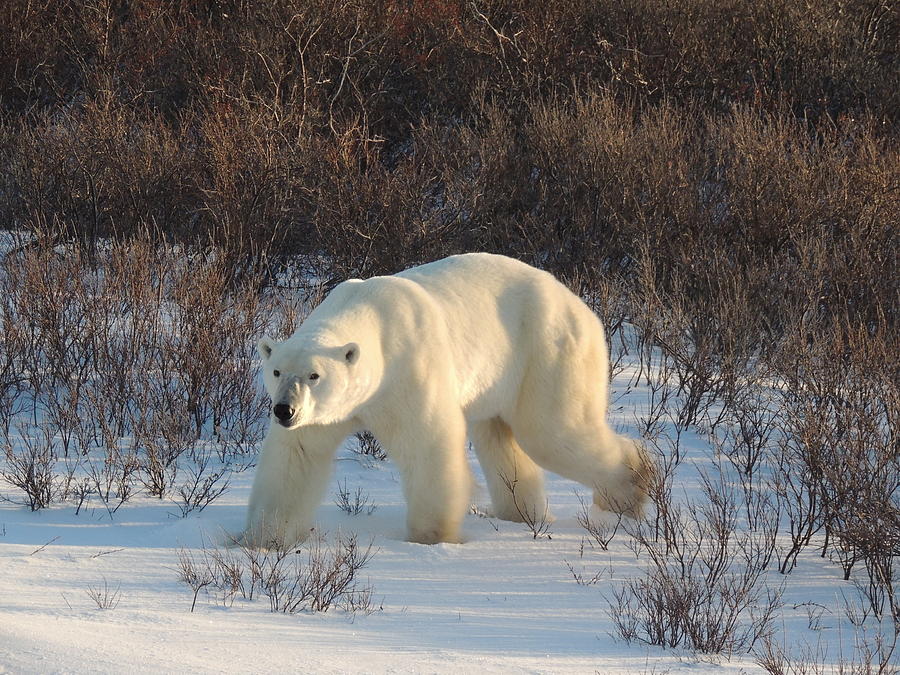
501,602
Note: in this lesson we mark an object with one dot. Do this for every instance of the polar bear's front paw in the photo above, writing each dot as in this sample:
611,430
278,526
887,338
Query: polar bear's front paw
263,539
434,535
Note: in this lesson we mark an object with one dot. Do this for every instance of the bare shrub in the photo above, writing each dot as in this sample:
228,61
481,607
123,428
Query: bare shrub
665,453
601,532
872,650
355,503
817,58
875,645
449,126
800,497
838,467
661,389
13,347
227,568
701,320
30,466
328,579
704,588
203,484
112,476
535,518
319,576
581,576
368,446
104,596
158,457
749,430
128,360
196,575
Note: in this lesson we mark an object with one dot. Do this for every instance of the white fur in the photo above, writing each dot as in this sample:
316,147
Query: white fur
479,343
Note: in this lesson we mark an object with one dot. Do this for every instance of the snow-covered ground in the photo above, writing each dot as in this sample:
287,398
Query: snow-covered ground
500,602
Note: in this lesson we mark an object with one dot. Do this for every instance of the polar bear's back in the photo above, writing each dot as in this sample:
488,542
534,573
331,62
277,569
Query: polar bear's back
501,314
486,269
482,290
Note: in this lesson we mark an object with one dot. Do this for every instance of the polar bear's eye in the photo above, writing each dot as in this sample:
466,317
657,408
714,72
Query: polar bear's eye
314,376
276,373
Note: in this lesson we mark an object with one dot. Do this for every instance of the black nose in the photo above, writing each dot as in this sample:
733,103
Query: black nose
283,411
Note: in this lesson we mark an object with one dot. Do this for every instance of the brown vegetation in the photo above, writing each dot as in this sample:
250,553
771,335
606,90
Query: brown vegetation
383,134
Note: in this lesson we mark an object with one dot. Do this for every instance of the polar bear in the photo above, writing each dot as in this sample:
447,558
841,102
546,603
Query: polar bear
476,344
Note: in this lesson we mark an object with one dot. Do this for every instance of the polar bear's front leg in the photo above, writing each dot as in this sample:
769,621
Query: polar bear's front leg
292,474
429,449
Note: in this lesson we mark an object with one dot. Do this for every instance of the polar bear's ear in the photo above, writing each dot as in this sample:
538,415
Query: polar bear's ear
351,352
265,346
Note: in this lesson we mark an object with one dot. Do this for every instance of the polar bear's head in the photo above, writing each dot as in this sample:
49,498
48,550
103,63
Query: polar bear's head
309,383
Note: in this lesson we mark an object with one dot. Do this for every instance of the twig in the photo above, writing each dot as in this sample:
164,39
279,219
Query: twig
41,548
115,550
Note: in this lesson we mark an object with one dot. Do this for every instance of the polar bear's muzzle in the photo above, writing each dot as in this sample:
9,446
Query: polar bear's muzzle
291,402
284,413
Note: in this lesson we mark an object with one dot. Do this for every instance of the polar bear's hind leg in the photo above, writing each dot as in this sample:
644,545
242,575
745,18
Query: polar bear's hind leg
515,482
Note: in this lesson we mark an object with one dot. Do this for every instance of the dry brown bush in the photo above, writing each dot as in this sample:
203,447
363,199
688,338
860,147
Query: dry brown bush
704,587
132,366
323,574
383,134
397,59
